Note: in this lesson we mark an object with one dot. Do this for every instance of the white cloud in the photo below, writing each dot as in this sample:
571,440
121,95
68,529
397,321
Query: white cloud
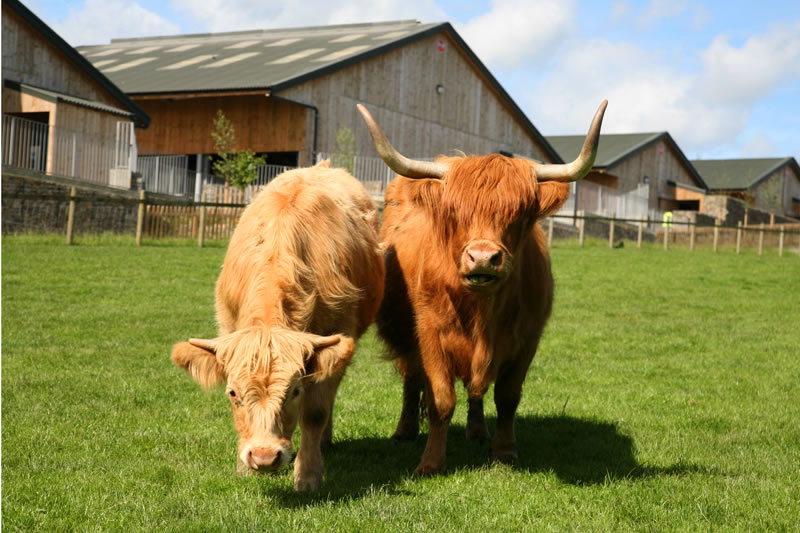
234,15
647,93
742,74
98,21
514,32
660,9
701,18
758,145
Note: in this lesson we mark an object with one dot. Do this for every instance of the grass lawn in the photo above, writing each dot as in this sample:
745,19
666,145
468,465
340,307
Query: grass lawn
665,396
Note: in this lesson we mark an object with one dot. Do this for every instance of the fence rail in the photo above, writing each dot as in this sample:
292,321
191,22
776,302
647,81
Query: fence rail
37,146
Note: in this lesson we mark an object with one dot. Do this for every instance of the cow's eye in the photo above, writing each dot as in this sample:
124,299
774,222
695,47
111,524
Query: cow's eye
232,393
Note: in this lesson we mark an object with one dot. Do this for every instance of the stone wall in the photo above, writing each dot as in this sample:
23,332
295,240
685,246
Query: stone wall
35,206
731,211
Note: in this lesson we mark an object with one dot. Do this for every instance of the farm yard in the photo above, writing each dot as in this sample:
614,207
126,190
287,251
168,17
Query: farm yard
664,397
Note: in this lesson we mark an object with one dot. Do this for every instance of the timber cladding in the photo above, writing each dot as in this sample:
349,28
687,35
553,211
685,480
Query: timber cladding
399,89
659,163
183,126
30,58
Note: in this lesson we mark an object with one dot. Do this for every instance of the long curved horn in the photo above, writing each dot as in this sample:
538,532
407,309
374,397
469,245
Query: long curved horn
409,168
583,164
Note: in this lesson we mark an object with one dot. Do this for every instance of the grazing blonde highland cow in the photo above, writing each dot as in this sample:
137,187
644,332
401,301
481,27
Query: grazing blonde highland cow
302,280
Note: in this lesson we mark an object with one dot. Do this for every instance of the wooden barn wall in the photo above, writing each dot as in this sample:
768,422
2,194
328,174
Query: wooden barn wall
659,168
399,89
31,59
768,195
184,126
791,190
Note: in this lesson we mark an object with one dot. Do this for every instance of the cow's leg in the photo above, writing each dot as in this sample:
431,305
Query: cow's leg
314,417
441,396
327,434
408,425
507,393
476,423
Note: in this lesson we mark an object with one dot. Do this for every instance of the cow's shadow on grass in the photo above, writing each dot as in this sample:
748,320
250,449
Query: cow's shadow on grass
579,452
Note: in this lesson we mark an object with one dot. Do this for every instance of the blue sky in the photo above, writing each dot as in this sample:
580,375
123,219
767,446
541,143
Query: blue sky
722,77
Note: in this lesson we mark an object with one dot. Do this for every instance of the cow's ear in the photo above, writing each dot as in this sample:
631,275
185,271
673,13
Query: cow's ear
550,196
330,356
199,362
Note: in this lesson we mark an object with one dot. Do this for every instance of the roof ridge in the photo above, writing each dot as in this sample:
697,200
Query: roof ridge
264,31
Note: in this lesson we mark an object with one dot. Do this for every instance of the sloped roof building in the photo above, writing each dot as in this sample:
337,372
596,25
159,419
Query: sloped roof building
770,184
288,91
627,161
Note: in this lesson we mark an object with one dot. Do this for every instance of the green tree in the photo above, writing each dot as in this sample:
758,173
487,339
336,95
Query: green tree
346,153
236,167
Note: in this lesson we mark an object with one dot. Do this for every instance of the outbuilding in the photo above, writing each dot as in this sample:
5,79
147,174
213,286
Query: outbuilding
289,91
651,164
61,115
768,184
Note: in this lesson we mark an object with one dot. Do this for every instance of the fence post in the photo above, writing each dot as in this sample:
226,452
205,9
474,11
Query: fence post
780,242
581,233
639,234
738,237
611,231
71,214
140,218
201,233
716,234
761,239
692,228
550,233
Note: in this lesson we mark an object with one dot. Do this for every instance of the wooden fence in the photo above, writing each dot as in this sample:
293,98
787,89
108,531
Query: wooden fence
184,221
761,237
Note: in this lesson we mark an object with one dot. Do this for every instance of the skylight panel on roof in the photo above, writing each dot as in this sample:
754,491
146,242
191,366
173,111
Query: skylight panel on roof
104,53
145,50
296,56
129,64
104,62
187,62
342,53
242,44
232,59
391,35
182,48
284,42
348,38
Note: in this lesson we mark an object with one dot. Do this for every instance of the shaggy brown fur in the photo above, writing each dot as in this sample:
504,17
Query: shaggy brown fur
440,325
302,279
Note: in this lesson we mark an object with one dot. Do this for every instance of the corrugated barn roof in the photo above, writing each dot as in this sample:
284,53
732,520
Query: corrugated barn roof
737,174
260,59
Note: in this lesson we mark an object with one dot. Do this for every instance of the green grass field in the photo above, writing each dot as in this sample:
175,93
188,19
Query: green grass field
665,396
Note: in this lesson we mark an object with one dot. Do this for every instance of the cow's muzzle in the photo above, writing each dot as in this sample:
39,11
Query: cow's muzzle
484,265
265,458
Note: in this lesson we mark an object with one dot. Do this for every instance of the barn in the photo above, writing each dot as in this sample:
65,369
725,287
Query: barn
289,91
61,115
768,184
647,167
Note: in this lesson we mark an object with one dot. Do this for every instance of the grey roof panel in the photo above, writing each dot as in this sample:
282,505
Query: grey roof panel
737,174
613,147
239,60
55,96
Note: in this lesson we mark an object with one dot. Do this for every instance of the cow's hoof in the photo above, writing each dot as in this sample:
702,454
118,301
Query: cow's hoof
308,483
477,434
427,470
505,456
